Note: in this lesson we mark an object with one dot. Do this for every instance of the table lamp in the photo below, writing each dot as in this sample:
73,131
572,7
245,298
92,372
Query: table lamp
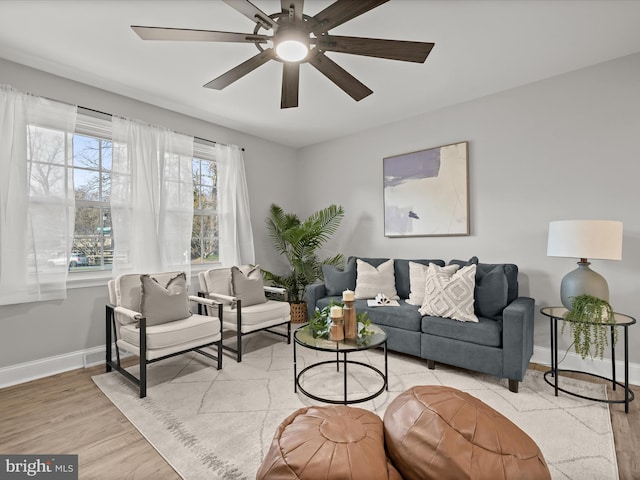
583,239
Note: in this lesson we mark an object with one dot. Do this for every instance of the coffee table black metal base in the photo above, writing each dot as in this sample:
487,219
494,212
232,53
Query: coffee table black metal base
344,362
303,336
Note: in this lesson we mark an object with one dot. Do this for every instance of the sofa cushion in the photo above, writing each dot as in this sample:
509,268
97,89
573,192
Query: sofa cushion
450,293
249,288
483,332
371,280
164,302
403,275
418,281
496,286
404,316
337,281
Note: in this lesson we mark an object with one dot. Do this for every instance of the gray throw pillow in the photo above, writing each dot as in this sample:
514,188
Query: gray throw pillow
491,291
337,281
248,288
164,303
492,287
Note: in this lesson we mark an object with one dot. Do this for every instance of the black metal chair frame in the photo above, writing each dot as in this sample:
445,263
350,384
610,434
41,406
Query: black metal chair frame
239,334
112,333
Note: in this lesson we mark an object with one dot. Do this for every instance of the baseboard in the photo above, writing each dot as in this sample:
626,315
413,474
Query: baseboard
25,372
572,361
45,367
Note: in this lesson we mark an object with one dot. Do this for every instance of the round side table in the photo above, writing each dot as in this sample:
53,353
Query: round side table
557,314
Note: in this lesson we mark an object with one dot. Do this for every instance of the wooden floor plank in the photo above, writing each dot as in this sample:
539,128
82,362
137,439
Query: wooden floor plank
68,413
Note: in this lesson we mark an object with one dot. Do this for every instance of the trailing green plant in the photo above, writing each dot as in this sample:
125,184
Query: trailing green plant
589,322
298,241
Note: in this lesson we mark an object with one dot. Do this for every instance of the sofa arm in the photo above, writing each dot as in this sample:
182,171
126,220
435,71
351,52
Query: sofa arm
517,337
314,292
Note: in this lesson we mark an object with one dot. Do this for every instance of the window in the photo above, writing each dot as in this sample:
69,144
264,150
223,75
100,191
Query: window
92,155
204,239
93,245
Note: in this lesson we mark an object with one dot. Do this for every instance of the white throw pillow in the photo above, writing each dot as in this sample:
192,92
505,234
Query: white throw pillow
450,295
371,280
418,281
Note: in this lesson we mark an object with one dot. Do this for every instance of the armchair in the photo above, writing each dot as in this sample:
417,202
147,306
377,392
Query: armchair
149,316
245,308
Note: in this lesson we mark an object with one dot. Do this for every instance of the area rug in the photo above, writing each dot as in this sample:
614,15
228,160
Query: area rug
219,424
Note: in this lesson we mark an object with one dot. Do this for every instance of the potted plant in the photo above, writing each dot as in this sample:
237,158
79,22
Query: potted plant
298,241
589,321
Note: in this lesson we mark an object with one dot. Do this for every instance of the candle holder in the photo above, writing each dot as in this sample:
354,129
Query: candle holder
336,332
350,321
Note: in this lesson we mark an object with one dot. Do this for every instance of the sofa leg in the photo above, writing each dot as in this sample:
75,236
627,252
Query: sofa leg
513,385
431,364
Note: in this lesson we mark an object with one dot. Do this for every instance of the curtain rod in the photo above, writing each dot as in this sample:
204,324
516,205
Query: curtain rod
111,115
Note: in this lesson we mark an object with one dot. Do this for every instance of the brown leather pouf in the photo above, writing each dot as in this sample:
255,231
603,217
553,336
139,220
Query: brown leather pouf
434,432
332,443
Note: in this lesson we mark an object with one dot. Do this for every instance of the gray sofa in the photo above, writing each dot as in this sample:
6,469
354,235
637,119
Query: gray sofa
500,344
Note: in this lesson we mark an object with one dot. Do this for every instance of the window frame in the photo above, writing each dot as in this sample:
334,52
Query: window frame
98,125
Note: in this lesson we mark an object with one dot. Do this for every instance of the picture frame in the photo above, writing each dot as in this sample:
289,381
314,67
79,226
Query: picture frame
426,193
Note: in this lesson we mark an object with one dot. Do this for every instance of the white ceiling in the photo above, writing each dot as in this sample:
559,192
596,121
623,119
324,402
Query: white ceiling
481,47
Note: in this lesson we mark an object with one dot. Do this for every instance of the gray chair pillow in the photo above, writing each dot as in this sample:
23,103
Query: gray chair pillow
248,288
164,303
337,281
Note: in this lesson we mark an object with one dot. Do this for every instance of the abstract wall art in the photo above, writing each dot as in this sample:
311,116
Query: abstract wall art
427,192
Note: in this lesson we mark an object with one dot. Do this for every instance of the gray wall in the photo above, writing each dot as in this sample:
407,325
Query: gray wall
40,330
557,149
563,148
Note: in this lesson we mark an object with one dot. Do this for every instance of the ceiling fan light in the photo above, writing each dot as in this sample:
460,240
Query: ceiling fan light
291,43
292,50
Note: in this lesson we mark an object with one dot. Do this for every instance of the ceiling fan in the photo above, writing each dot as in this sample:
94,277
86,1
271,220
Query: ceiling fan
298,38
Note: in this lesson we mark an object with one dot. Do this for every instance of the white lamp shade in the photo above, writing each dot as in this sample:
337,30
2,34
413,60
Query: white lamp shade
595,239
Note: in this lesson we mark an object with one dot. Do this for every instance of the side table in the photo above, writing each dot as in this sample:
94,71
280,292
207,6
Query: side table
557,314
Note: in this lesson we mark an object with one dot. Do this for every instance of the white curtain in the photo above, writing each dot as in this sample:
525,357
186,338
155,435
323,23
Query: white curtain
37,204
235,233
151,198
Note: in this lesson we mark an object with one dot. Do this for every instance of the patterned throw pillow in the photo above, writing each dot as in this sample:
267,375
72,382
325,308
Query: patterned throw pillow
164,303
418,281
450,295
371,280
249,288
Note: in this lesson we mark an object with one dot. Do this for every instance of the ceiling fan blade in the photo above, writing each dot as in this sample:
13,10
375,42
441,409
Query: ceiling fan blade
241,70
253,13
297,5
338,75
290,84
376,47
186,34
342,11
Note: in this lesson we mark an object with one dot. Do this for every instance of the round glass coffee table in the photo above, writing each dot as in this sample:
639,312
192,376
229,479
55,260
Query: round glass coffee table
302,336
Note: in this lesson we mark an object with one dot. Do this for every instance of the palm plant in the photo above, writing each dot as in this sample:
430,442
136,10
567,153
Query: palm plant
299,241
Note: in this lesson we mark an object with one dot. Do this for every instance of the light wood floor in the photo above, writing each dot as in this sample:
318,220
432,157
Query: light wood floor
68,414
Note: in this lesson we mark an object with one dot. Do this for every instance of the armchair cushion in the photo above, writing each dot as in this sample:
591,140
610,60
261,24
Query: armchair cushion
164,302
172,334
249,288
